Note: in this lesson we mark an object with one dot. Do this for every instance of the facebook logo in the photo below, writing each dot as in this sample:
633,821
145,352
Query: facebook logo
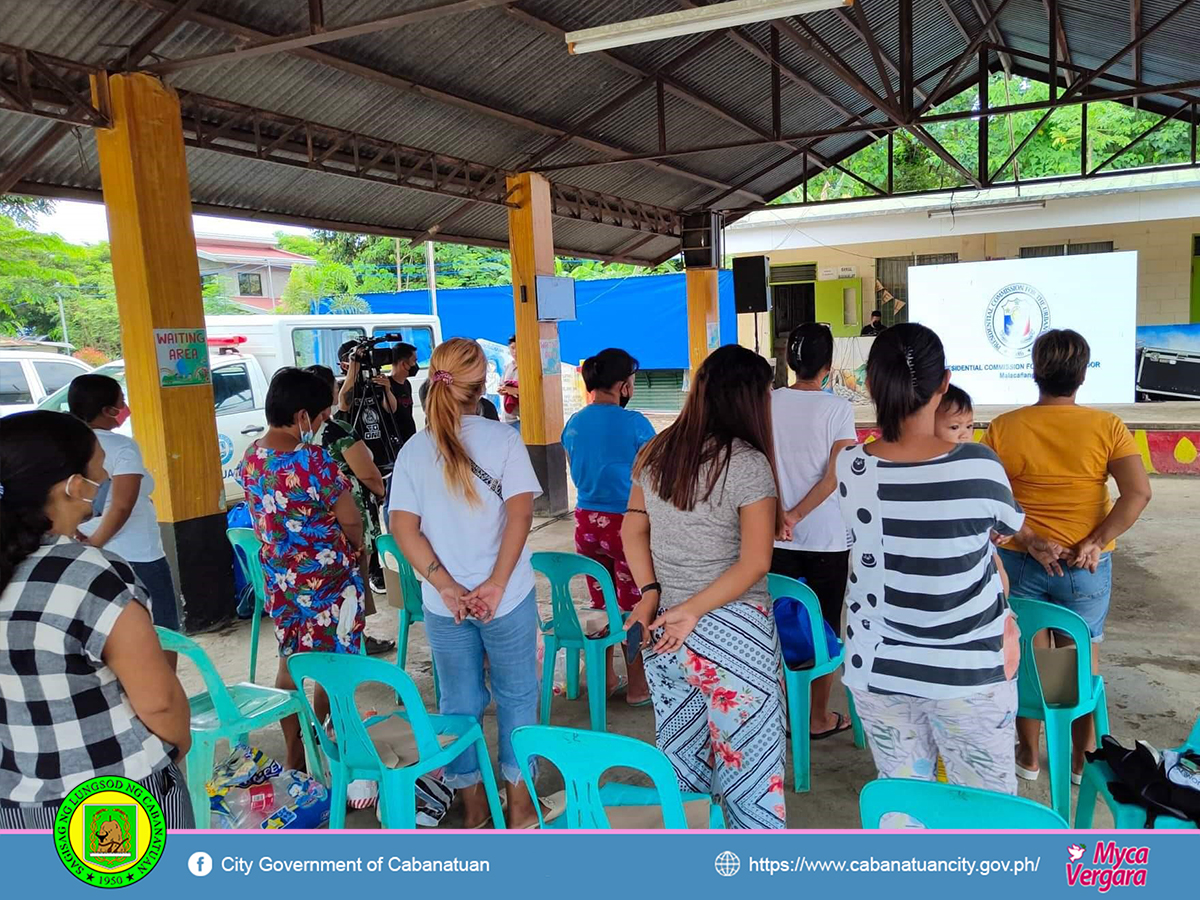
200,864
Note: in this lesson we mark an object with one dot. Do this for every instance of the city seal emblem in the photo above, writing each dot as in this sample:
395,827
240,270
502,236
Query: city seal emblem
110,832
1015,316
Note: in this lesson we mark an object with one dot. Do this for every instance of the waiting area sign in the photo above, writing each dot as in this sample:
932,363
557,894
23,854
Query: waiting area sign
988,315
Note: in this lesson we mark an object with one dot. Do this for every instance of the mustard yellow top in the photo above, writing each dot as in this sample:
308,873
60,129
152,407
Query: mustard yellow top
1056,458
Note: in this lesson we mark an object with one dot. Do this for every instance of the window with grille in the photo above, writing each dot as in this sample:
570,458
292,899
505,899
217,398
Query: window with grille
891,283
792,274
250,284
1045,250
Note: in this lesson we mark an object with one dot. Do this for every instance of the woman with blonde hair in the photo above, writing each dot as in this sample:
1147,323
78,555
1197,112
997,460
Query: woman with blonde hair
461,507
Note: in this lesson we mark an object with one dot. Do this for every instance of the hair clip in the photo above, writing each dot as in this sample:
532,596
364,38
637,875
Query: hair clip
908,360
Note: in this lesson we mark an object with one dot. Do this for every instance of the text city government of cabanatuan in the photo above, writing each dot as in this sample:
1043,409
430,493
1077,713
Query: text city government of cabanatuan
378,864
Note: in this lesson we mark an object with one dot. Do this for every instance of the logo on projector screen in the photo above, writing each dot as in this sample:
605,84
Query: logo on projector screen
1016,315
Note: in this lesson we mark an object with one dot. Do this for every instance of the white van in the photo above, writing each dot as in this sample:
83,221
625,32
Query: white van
239,394
279,341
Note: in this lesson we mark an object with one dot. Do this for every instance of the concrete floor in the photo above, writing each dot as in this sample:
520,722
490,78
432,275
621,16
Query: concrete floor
1150,661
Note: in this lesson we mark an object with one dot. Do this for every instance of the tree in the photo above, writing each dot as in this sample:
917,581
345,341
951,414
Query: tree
1053,151
24,210
34,269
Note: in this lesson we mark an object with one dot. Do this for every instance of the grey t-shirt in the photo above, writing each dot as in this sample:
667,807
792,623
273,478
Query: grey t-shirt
692,549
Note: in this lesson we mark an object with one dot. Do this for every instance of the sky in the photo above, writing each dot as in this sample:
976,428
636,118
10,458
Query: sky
85,223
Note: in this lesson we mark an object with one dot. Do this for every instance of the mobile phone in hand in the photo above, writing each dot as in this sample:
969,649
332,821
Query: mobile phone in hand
633,642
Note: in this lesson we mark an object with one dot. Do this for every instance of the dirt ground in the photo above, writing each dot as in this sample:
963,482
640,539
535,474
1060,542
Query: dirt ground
1150,660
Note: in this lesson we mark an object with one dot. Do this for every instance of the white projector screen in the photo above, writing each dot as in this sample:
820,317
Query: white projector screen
989,313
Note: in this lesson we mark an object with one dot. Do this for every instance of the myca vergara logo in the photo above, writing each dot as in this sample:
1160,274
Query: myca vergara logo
110,832
1110,866
1015,316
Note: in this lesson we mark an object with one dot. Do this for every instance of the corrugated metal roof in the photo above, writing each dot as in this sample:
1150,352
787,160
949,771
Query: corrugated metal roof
493,59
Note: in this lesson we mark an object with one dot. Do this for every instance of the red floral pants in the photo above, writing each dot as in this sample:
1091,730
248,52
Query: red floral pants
598,537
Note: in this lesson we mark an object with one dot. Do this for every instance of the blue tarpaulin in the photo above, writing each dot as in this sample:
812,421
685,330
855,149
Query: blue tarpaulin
643,314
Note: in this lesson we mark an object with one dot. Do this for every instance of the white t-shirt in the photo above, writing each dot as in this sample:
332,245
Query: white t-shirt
139,539
510,374
806,425
467,538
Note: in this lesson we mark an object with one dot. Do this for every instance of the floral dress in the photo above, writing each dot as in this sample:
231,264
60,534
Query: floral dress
314,592
337,437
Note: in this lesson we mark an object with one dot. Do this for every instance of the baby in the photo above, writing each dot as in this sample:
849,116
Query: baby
955,422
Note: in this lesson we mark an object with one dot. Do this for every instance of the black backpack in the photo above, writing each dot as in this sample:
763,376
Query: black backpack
1140,780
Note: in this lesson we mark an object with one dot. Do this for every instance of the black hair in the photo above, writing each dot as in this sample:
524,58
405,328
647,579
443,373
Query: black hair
956,400
402,351
38,449
905,369
90,394
809,350
293,390
513,339
606,368
1060,361
875,313
325,374
343,353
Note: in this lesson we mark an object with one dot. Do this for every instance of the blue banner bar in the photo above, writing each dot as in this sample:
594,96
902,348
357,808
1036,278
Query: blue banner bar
582,865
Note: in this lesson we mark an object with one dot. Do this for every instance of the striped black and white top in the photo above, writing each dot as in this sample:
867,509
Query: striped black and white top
926,608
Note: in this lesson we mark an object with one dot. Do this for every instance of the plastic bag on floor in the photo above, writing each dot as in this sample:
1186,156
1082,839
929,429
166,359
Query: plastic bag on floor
433,796
595,624
252,790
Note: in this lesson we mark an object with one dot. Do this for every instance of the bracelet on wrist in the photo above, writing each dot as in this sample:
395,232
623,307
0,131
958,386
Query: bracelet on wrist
652,586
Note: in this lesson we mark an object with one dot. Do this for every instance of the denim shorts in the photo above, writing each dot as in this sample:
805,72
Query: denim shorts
156,579
1082,592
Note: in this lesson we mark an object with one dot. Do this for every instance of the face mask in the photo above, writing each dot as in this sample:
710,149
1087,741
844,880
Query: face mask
413,369
97,489
307,435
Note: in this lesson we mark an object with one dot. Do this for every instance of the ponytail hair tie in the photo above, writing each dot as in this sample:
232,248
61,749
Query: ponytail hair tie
442,376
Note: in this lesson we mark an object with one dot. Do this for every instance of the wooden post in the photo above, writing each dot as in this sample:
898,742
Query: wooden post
531,247
143,172
704,315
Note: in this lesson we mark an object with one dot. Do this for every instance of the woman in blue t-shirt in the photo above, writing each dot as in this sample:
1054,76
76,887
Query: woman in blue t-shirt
602,440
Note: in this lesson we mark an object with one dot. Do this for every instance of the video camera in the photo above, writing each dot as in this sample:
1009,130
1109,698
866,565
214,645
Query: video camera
370,419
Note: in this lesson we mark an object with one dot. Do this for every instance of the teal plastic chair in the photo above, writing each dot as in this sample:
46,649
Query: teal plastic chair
582,757
1097,775
1032,617
438,739
246,550
565,632
404,583
952,806
799,681
229,713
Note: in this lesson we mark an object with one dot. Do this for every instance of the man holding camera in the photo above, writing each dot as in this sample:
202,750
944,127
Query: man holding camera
395,394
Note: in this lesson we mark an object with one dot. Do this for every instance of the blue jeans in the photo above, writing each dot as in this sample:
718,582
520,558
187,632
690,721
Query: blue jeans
510,643
156,579
1078,590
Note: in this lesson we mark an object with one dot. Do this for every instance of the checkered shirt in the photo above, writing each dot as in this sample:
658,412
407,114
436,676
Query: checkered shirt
63,716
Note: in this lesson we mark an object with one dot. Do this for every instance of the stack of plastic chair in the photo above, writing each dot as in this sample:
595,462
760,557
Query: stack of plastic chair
566,632
434,740
1063,707
404,593
582,757
951,806
229,713
799,681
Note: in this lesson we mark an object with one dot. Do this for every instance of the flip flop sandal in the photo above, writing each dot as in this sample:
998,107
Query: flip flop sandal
843,724
622,686
552,806
1028,774
636,704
